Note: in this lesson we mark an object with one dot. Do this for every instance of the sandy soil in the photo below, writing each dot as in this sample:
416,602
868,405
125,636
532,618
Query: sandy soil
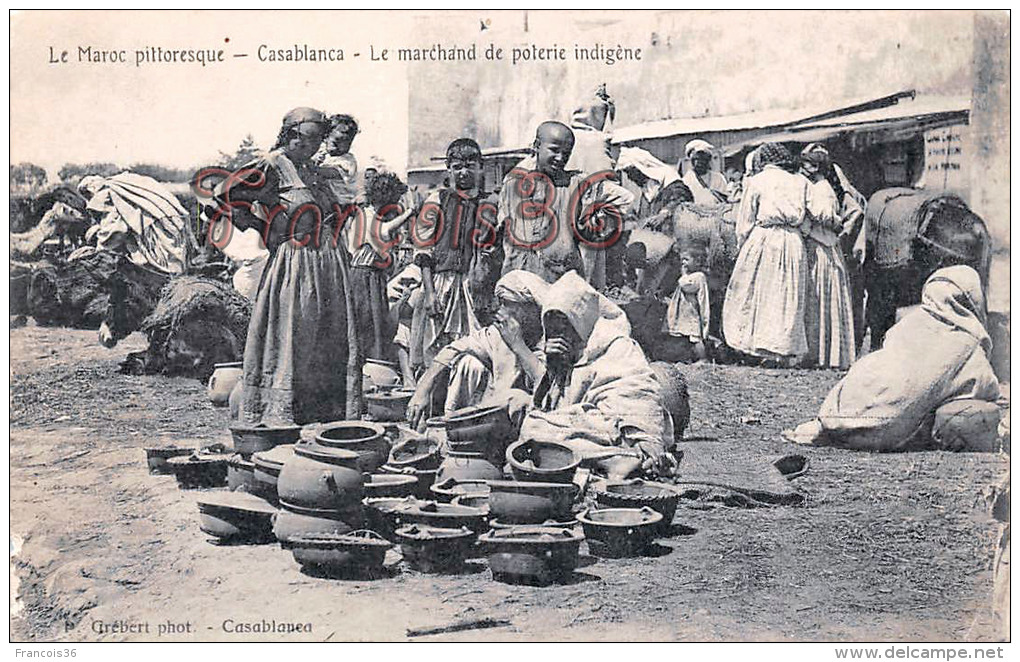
885,547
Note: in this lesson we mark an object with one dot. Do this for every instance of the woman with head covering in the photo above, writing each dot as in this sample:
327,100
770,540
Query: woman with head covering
707,186
828,316
488,363
302,363
763,312
930,386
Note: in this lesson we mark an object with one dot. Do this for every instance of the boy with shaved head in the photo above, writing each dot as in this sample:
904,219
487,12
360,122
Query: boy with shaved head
555,220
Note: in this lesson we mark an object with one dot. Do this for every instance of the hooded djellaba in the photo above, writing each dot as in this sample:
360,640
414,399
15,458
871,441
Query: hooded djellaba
931,386
602,398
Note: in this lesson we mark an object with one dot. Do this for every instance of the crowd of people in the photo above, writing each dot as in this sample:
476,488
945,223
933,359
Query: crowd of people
481,297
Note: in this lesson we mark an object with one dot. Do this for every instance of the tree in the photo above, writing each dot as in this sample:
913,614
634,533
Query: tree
162,173
72,171
246,152
28,175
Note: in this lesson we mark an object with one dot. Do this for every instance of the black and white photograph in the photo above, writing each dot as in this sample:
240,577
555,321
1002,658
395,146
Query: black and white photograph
518,325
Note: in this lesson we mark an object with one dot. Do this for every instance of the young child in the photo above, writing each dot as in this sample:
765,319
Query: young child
336,163
689,309
452,243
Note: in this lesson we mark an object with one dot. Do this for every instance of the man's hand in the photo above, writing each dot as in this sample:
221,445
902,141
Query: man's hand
518,404
416,409
556,347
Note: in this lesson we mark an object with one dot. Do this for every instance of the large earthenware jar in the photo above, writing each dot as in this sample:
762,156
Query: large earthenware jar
225,376
367,440
321,477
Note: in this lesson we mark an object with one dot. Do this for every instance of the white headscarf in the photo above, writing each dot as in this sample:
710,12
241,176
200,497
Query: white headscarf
698,145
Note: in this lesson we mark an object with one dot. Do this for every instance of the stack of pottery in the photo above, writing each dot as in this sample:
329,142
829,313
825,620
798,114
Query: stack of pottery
542,490
266,474
250,440
476,440
320,490
418,457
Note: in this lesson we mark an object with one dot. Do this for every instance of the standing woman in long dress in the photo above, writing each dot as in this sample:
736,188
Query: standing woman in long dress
763,313
829,317
301,359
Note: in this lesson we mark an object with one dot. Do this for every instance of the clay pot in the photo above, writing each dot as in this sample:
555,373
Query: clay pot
620,532
637,493
240,474
488,423
156,458
435,430
236,516
359,553
198,471
387,404
250,439
467,466
367,440
267,470
379,374
566,524
433,549
225,376
415,453
479,501
542,461
390,485
446,490
320,477
294,521
533,555
385,515
530,503
426,477
444,515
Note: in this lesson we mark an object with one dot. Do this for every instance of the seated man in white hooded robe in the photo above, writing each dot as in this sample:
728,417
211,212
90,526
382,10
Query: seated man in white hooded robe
599,394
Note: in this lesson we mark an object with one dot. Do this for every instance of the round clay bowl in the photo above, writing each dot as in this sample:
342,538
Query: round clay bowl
360,553
253,439
489,423
368,440
542,461
532,555
236,516
530,503
198,471
619,532
426,477
445,515
660,497
292,521
387,404
449,489
389,485
433,549
385,515
156,458
480,501
415,453
495,524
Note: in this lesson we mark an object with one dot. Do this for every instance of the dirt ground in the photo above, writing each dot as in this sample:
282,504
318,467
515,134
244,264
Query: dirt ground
885,547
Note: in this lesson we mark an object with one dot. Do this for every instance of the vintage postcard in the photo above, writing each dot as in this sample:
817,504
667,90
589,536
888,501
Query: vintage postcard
511,326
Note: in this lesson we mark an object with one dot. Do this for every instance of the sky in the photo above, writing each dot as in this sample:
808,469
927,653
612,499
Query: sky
183,115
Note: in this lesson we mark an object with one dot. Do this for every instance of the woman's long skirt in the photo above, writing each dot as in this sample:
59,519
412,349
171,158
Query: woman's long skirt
829,317
763,314
376,328
302,363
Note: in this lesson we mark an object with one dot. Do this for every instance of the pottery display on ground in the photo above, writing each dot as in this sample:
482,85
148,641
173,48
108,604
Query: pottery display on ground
156,458
359,553
236,516
522,502
225,376
367,440
435,549
320,477
532,555
197,471
619,532
638,493
268,465
542,461
249,439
